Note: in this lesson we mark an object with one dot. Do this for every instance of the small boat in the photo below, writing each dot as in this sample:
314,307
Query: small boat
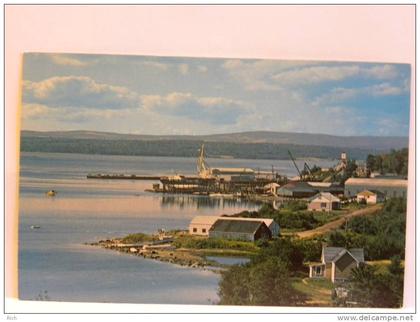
35,227
51,193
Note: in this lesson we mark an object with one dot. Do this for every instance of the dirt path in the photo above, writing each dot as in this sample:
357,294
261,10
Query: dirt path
337,223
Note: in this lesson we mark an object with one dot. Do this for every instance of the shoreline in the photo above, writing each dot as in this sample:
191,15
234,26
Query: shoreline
185,257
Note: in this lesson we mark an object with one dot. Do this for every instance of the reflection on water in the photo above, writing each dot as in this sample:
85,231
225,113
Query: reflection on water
200,202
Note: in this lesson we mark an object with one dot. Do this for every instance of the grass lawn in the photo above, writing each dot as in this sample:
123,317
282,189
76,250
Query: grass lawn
318,290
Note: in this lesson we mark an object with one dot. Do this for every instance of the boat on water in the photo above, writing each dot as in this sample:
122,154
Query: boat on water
35,227
51,193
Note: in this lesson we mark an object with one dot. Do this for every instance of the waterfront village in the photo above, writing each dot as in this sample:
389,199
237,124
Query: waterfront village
327,237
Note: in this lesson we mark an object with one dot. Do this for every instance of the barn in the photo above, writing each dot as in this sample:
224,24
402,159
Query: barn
245,230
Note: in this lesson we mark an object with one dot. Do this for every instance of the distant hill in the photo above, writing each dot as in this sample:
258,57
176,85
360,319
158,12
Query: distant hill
381,143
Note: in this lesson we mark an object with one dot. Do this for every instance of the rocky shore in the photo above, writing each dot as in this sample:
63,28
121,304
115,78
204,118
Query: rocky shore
162,252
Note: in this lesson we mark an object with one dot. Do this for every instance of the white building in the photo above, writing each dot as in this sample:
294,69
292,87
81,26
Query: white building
271,188
200,225
324,201
370,196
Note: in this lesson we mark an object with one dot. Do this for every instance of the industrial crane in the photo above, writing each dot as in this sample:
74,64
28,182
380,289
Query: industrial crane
305,167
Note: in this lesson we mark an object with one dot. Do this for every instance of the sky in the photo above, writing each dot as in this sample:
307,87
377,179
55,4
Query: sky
193,96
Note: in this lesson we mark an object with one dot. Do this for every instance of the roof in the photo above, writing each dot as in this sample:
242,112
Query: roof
270,185
204,220
236,226
298,186
370,193
332,254
320,184
377,182
266,221
358,253
327,196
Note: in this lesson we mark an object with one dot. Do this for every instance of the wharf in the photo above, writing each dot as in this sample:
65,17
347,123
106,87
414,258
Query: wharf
123,177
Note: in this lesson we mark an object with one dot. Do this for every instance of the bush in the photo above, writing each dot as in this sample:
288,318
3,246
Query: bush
137,238
213,243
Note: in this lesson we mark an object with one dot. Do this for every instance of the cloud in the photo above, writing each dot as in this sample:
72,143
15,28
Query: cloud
67,61
319,74
34,111
78,91
269,75
340,94
208,109
183,69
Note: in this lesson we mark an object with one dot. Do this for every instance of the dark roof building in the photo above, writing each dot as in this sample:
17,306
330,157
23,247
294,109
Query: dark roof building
240,230
297,189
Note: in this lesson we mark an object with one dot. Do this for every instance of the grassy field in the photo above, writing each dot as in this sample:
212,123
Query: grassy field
317,290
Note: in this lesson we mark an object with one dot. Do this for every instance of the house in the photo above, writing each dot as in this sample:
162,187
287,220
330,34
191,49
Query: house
324,201
297,189
200,225
270,223
370,197
336,263
245,230
271,188
388,186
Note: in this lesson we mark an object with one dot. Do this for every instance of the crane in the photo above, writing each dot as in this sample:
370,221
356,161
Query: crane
293,160
306,168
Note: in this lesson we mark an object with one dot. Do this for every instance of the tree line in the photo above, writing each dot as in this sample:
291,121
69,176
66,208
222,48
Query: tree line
394,162
185,148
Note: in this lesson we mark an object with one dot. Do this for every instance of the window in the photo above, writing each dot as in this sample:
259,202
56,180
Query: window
323,205
203,230
194,230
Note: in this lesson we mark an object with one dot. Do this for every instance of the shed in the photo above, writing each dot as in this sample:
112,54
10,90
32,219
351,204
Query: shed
324,201
239,230
370,196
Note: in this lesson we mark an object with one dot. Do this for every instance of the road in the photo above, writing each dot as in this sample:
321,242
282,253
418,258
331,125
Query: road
337,223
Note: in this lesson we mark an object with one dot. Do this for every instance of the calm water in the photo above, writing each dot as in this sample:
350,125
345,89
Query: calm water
54,259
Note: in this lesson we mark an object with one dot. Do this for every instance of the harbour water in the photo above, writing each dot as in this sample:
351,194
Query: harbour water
55,264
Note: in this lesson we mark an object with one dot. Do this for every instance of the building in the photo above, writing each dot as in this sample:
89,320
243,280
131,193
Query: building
332,187
200,225
389,187
270,223
297,189
246,230
324,201
337,263
370,197
271,188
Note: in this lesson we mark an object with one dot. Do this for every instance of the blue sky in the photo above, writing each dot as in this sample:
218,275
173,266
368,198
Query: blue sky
166,95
